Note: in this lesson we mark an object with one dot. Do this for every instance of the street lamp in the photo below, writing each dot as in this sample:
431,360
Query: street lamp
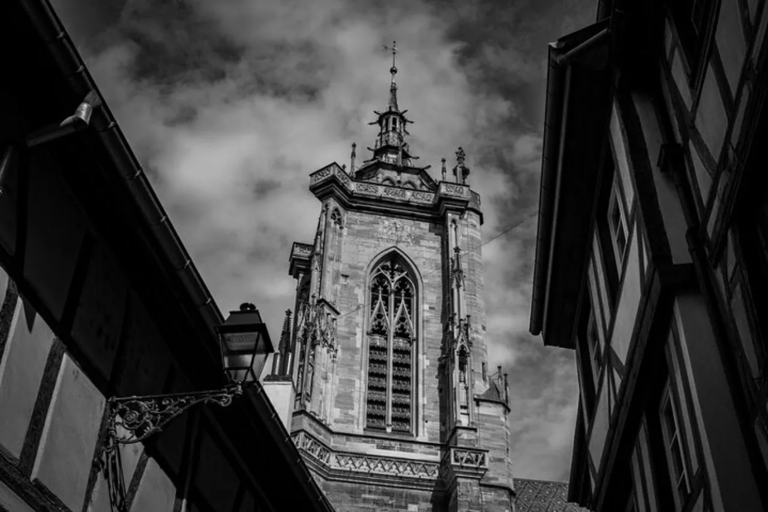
244,343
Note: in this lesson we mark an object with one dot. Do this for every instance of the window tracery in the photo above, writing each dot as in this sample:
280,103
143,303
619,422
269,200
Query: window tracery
336,217
391,340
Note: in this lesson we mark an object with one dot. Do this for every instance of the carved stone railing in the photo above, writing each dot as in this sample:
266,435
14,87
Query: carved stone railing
397,194
454,190
468,458
365,464
464,462
301,251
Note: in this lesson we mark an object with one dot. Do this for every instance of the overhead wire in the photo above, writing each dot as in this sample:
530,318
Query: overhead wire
497,235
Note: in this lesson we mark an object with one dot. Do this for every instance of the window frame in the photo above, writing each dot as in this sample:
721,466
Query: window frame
616,204
587,376
410,275
670,401
692,38
642,470
611,266
592,338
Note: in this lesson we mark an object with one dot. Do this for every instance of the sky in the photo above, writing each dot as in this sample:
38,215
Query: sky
231,104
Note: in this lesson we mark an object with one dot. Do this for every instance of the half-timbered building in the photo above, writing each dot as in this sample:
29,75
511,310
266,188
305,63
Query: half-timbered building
651,252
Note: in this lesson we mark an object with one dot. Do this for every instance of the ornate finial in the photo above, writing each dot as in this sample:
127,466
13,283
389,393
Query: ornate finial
460,157
443,170
354,154
461,171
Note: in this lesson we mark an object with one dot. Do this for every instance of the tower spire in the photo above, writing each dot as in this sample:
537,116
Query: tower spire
392,105
390,144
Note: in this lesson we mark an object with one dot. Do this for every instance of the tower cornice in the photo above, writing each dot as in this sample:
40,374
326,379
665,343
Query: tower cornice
333,181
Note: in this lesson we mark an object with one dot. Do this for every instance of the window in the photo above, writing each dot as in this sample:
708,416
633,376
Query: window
391,341
643,488
594,345
677,460
632,503
691,18
589,354
611,223
617,223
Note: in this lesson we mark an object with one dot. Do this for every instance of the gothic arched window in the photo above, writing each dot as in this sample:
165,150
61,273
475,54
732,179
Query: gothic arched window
391,344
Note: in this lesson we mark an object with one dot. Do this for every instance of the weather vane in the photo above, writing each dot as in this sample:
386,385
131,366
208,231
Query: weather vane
393,69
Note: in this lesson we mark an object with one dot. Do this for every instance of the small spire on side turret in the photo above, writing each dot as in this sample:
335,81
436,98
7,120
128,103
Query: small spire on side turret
443,170
461,171
280,360
352,158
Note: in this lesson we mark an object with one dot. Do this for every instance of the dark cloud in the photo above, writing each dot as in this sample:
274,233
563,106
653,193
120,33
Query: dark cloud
231,104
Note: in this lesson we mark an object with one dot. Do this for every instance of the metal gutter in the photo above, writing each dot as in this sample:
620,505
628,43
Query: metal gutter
103,122
545,228
555,120
69,62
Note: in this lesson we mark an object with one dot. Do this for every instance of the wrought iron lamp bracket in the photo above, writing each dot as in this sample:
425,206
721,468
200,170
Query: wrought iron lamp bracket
133,419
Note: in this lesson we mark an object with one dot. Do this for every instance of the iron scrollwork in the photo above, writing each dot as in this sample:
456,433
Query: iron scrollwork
133,419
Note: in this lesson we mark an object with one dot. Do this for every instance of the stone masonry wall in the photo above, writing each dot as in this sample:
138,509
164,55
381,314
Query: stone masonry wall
366,237
470,241
348,497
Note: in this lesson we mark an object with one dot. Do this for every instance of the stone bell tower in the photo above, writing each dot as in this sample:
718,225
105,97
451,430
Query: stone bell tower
394,406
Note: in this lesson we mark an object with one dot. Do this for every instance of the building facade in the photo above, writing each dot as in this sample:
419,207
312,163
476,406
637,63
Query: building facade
99,298
394,406
651,255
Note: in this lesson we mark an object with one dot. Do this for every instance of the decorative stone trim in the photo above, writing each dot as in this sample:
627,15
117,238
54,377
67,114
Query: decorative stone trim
321,175
360,187
367,188
365,464
344,177
451,189
301,250
474,459
395,192
422,197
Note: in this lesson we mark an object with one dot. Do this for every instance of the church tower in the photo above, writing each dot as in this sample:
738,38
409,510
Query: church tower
394,406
